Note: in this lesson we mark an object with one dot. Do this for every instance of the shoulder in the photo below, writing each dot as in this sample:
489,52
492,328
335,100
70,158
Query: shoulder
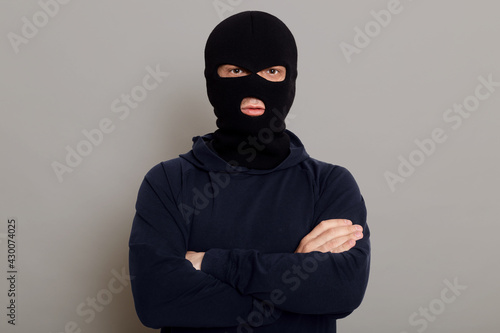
165,168
167,174
324,172
333,183
337,192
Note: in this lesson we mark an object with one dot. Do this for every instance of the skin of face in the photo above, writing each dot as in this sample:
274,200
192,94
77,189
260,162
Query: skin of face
252,106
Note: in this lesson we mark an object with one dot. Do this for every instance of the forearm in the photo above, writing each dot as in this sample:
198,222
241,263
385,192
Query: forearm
309,283
168,291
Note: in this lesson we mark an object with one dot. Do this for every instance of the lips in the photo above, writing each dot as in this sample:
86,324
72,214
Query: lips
253,110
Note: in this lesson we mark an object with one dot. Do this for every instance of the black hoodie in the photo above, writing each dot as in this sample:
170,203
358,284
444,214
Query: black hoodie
249,222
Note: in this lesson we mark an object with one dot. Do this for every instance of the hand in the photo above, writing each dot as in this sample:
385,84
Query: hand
334,236
195,258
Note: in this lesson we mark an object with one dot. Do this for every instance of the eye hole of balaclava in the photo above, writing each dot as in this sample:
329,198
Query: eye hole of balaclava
272,74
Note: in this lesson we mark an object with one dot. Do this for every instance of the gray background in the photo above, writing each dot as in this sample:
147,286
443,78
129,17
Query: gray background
440,224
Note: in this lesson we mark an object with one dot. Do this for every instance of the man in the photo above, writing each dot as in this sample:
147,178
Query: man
246,232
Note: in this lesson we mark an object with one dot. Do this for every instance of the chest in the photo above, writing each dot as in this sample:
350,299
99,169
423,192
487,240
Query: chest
270,213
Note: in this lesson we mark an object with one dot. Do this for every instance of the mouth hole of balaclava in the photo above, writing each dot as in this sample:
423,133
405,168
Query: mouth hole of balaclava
272,74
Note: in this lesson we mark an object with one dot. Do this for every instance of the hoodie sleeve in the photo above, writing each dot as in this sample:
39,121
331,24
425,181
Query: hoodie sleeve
168,291
307,283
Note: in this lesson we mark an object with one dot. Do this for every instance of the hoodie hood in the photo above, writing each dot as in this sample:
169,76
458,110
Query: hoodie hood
201,156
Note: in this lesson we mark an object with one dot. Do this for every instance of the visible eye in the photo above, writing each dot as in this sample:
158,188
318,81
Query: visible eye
232,71
274,73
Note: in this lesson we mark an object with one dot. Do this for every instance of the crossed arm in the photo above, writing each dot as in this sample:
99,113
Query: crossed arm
334,235
168,289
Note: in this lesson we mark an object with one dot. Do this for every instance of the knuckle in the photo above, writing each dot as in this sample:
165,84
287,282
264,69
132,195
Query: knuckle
306,248
332,244
322,248
331,232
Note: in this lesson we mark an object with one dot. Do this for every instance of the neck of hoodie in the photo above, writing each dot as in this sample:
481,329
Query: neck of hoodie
248,151
202,157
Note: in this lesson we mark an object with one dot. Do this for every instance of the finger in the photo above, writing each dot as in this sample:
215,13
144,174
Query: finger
338,234
325,225
334,243
327,241
345,246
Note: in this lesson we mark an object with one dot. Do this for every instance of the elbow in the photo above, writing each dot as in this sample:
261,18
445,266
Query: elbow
350,287
153,291
146,309
155,301
148,320
347,298
356,286
354,299
159,301
156,313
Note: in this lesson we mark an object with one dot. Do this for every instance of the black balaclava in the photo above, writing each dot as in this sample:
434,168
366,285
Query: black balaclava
254,41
